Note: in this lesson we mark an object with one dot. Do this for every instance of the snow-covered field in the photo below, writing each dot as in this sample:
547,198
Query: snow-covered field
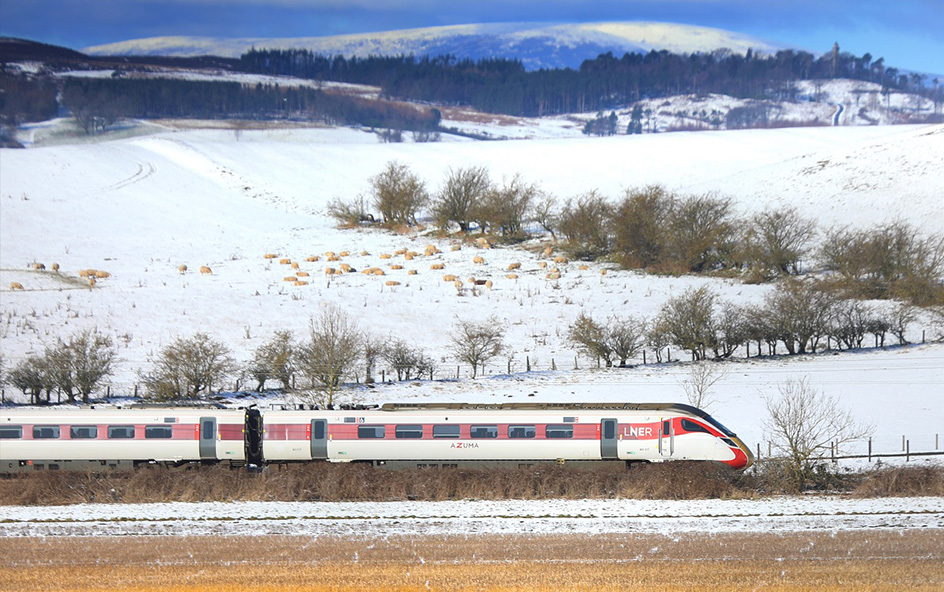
474,517
140,206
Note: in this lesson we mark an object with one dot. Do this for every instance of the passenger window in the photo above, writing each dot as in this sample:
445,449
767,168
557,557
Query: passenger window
121,432
45,432
367,432
484,431
445,431
409,431
691,426
83,432
521,431
158,432
559,431
11,432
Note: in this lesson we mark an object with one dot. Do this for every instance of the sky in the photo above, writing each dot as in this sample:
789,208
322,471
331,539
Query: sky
907,33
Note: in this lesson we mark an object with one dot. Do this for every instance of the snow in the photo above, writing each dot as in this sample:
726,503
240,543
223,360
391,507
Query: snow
188,193
474,517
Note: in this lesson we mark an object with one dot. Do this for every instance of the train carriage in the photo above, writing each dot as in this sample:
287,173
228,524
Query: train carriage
63,438
463,435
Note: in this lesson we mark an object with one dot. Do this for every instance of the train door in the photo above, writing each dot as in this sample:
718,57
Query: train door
608,439
319,439
208,438
667,438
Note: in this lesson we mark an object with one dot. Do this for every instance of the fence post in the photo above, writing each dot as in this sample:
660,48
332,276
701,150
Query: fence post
908,451
643,357
527,363
870,448
902,443
758,451
457,371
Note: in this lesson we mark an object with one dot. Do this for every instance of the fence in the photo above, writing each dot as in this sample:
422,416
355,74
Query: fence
834,456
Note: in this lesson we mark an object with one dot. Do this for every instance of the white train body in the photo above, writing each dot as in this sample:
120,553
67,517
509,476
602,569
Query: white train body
62,438
453,434
394,435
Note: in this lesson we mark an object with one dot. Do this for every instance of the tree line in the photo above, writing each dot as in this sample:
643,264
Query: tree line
654,229
500,85
99,102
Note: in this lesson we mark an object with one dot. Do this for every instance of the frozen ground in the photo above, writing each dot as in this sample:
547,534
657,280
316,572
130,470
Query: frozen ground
141,206
474,517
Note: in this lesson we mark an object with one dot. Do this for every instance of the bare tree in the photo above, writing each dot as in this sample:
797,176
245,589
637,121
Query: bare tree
398,194
701,233
546,215
803,424
274,359
463,191
585,223
373,348
777,240
615,342
350,214
187,367
93,357
477,343
701,377
799,314
688,320
504,210
640,226
30,376
407,361
330,353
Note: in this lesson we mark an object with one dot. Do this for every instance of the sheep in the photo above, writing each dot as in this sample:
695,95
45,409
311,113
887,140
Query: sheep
449,278
386,256
16,286
91,280
330,254
294,265
409,256
584,267
548,251
399,252
55,267
396,266
553,275
411,272
560,259
312,259
488,284
270,255
182,268
301,283
392,283
483,242
290,278
332,258
512,276
513,266
344,253
38,266
602,272
458,285
437,266
478,260
83,273
204,270
455,248
302,274
101,274
329,271
285,261
542,264
365,254
347,268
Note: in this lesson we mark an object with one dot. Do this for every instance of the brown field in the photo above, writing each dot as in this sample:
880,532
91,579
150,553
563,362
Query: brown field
860,561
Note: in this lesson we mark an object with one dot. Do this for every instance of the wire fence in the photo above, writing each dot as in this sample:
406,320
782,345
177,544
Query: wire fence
867,450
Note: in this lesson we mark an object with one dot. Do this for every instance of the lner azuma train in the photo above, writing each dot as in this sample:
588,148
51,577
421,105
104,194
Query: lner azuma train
393,435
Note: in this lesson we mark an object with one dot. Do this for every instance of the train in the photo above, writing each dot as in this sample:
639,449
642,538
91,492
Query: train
391,435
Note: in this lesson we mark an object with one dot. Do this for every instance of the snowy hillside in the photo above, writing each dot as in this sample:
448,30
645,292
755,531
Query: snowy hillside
141,206
537,45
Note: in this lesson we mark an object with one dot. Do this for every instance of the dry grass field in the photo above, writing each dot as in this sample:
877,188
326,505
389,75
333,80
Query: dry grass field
861,561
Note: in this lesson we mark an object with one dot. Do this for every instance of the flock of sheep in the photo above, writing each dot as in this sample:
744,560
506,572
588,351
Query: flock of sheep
90,275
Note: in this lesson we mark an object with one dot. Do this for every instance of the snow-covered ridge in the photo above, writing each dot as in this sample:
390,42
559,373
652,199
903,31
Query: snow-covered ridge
536,44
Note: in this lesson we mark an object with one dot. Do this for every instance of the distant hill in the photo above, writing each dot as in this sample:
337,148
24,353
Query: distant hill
537,45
